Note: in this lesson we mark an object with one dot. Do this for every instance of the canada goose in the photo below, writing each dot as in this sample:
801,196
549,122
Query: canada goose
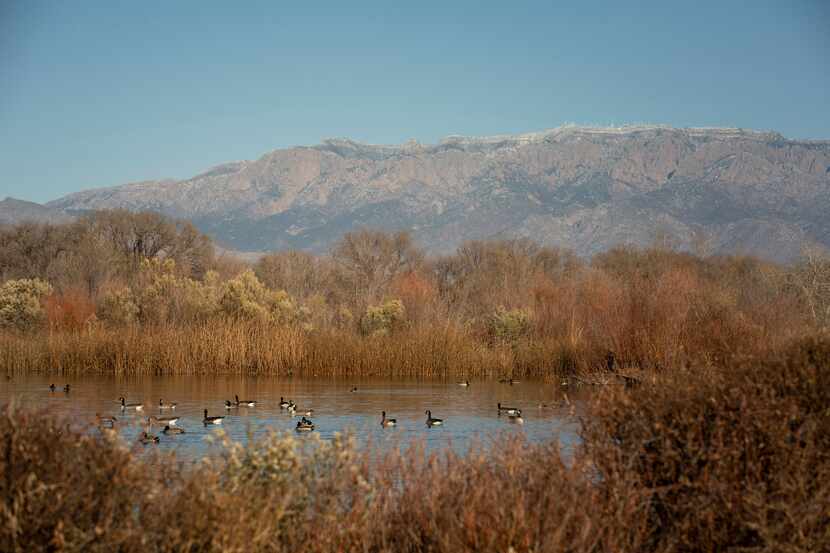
146,438
245,403
167,421
163,405
304,425
51,387
105,421
516,417
283,404
66,389
125,405
431,421
465,383
508,410
387,422
173,430
212,420
229,405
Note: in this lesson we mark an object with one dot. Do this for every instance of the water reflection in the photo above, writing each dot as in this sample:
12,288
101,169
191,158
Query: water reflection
469,412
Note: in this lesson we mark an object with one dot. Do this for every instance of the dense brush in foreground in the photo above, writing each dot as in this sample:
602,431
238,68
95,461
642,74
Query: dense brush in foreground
731,460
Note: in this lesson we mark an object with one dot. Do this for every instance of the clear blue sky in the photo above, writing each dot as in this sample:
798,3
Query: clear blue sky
103,93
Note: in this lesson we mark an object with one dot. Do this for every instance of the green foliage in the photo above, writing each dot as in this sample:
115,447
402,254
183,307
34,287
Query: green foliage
509,325
382,319
21,303
245,297
118,307
164,296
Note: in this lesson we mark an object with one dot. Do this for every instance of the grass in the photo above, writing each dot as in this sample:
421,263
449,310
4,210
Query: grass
704,460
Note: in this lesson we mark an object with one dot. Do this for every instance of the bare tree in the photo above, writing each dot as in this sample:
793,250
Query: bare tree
371,259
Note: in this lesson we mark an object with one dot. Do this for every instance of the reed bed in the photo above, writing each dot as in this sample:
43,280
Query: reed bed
735,460
246,348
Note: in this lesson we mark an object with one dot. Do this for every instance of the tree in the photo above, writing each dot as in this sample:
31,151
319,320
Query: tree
371,259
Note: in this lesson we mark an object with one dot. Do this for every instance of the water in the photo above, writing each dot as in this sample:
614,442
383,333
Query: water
469,413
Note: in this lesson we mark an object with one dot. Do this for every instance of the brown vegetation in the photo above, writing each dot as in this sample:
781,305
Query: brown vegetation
140,293
735,460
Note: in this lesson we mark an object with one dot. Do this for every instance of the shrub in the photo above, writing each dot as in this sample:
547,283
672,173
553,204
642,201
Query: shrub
382,319
21,303
509,326
118,307
246,297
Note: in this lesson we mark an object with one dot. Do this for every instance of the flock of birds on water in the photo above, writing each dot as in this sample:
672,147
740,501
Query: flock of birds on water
304,424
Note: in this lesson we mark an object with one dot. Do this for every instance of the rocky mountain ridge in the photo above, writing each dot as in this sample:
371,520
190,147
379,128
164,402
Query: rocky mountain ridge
585,188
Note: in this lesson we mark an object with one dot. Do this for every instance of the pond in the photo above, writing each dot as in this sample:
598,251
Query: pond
470,413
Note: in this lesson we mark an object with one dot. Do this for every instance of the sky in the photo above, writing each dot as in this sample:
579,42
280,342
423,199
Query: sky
103,93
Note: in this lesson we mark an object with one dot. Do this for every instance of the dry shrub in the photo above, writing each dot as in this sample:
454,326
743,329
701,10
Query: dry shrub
729,460
71,310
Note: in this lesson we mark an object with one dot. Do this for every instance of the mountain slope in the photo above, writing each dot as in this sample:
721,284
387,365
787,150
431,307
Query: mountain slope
580,187
13,211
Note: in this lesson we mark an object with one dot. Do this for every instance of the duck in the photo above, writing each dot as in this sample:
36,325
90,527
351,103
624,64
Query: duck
230,405
163,405
508,410
308,412
304,425
105,421
354,389
465,383
212,420
283,404
387,422
245,403
167,421
173,430
516,417
66,389
125,405
431,421
292,407
51,387
146,438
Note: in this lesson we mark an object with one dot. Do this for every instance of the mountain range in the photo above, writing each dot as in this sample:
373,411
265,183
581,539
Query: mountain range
718,190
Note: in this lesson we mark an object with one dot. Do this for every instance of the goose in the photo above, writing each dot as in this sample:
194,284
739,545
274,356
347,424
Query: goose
212,420
105,421
387,422
167,421
431,421
146,438
283,404
516,417
305,425
245,403
229,405
465,383
508,410
163,405
125,405
51,387
173,430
